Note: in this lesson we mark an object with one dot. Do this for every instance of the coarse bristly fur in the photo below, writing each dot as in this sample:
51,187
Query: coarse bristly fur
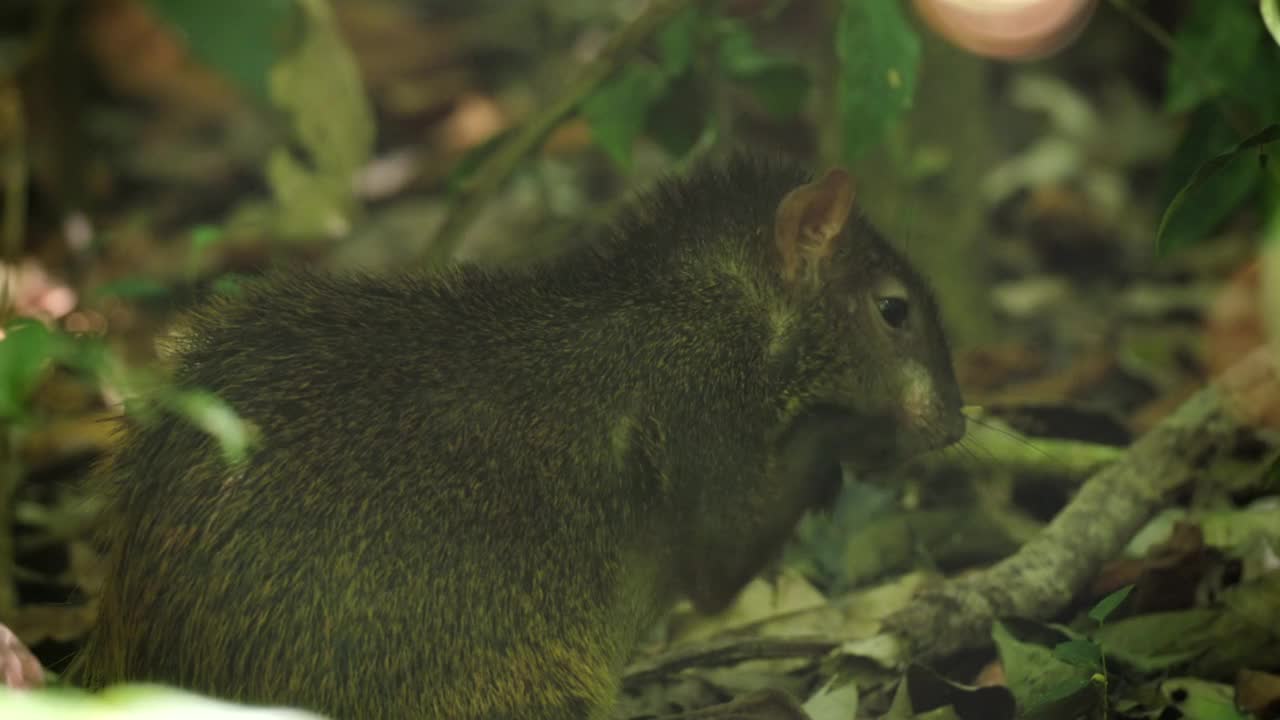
475,489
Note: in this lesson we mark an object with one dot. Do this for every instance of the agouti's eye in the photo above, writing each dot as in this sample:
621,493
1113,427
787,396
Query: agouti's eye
893,310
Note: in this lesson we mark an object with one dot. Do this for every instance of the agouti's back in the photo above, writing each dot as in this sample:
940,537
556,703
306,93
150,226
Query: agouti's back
475,489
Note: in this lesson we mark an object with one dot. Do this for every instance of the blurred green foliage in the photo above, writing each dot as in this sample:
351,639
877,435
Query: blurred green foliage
318,84
242,39
879,60
618,111
878,49
289,58
1225,71
1216,188
664,97
29,350
1271,17
24,353
1055,671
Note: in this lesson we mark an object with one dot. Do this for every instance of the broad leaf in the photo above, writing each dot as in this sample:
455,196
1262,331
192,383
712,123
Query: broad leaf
1217,43
879,55
24,354
1107,605
1215,190
617,111
240,39
676,41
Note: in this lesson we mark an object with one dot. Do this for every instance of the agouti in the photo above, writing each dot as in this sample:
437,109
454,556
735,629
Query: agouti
475,489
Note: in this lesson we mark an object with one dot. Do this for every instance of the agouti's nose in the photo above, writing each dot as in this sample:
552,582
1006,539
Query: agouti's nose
925,407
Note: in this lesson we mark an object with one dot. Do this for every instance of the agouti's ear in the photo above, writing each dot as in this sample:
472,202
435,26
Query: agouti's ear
810,221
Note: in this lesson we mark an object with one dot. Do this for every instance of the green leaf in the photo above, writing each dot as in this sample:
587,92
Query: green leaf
24,352
131,288
1206,136
1107,605
1215,190
204,236
318,86
240,39
1216,45
677,40
1044,683
738,53
63,702
1080,653
1159,641
617,111
1271,18
879,56
211,414
1065,692
836,699
86,354
1256,88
